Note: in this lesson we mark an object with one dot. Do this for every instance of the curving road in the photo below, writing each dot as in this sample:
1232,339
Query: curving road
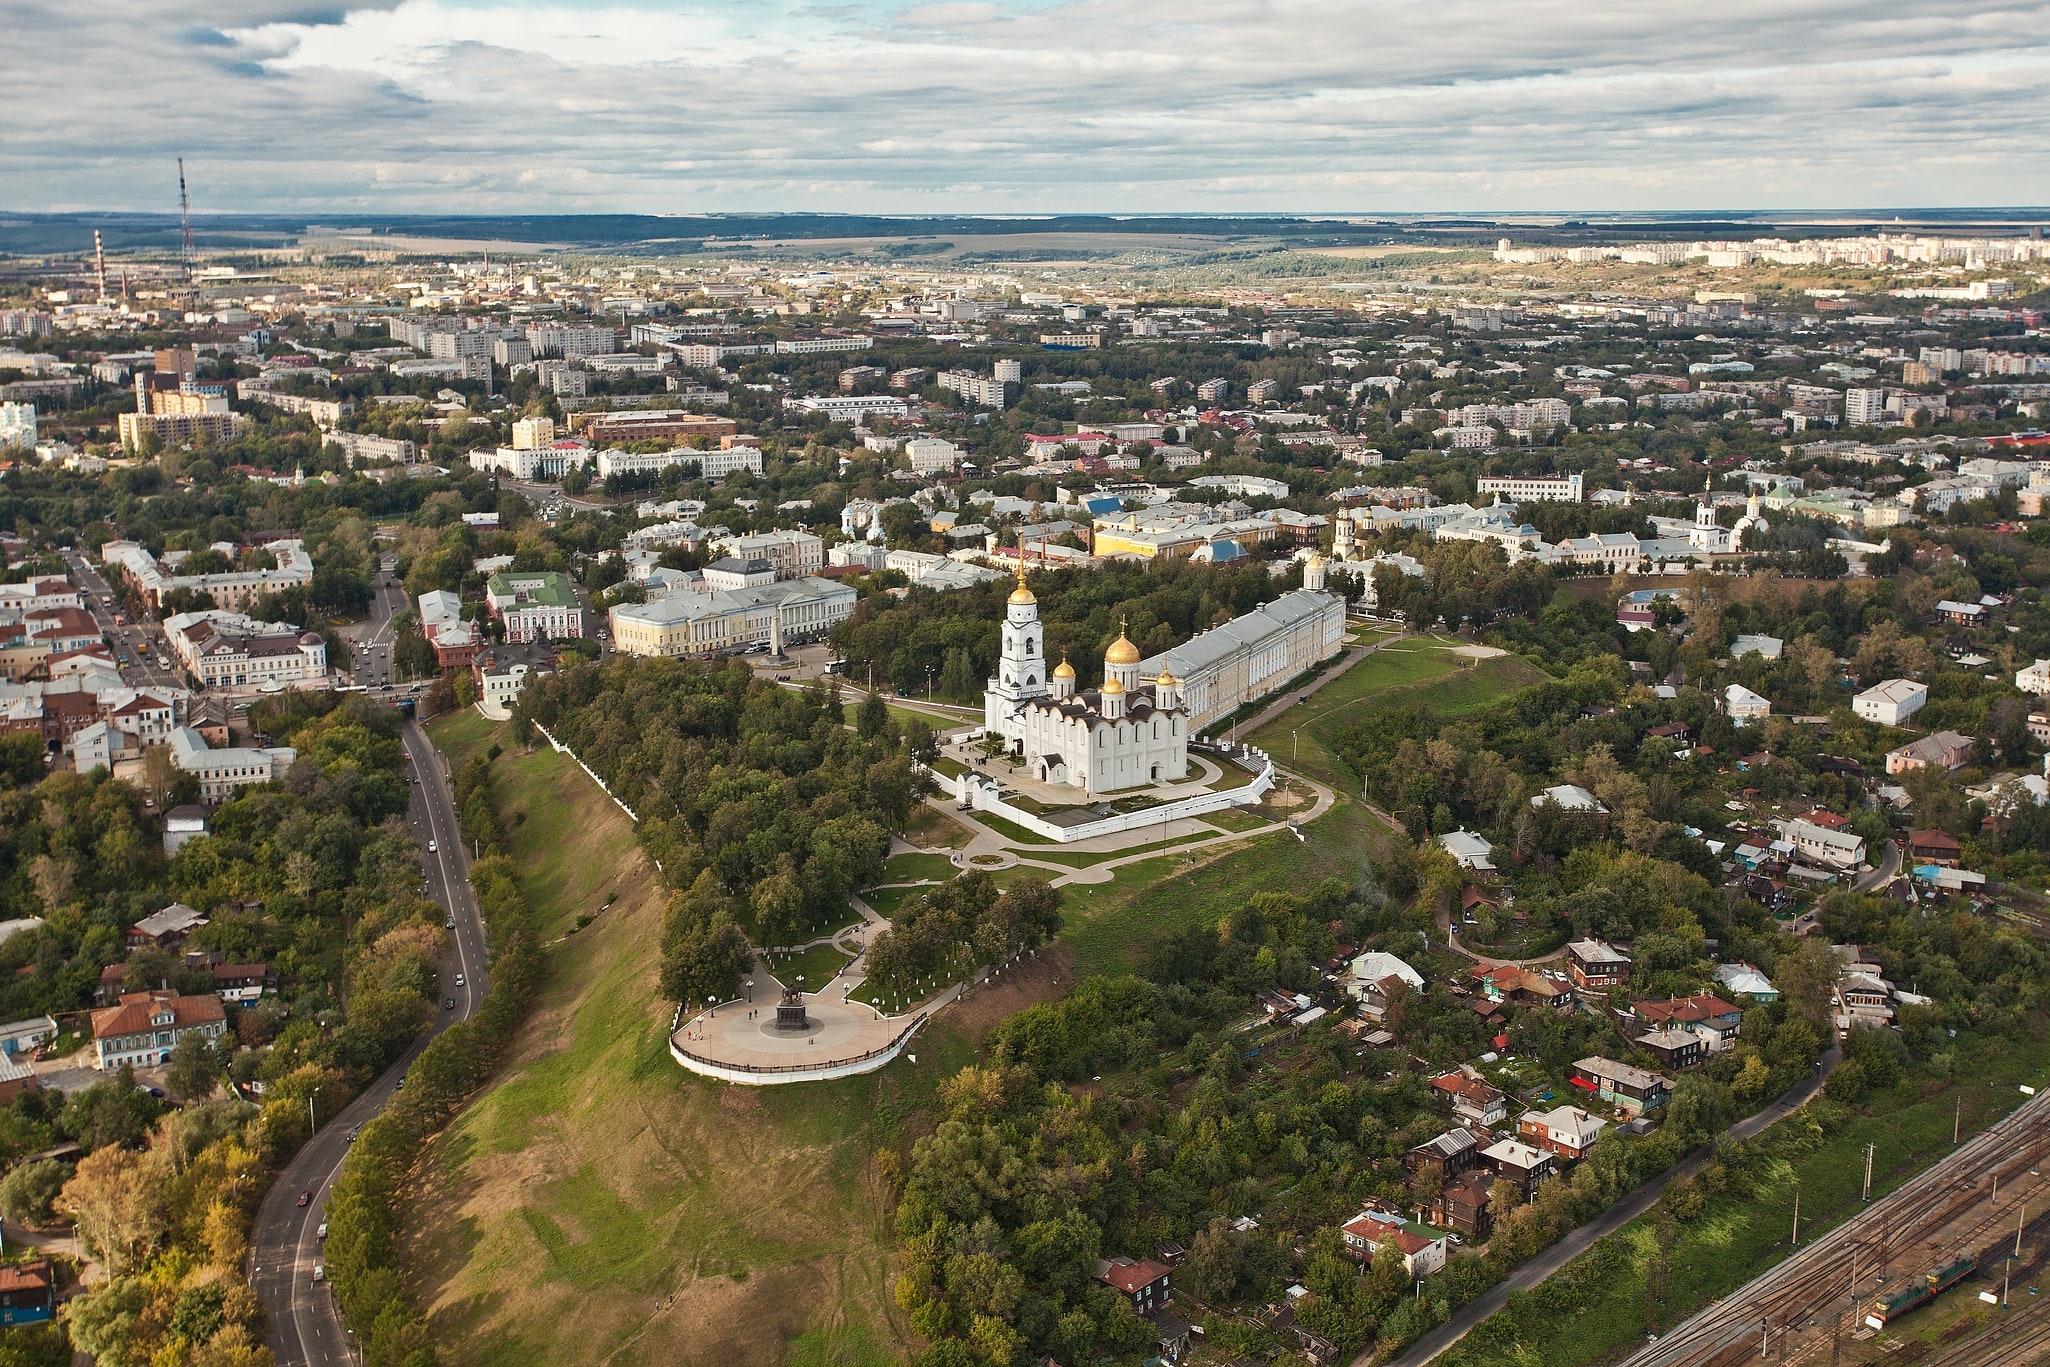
305,1324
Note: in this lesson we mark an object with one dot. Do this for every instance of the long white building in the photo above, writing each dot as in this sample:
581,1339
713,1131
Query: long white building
229,650
233,590
1226,667
696,622
222,773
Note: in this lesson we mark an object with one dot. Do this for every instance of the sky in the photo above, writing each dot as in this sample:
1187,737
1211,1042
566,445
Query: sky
1023,106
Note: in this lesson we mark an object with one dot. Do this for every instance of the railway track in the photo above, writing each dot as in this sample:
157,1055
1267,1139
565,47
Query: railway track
2022,1339
1947,1207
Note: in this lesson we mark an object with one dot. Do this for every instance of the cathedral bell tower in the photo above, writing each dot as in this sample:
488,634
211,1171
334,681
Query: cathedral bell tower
1022,670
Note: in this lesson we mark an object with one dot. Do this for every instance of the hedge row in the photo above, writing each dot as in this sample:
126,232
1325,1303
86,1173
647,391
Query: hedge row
362,1259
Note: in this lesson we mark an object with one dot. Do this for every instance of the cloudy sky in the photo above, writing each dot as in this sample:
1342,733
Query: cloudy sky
1024,106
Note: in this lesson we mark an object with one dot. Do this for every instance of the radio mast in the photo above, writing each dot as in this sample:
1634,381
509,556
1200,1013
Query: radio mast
184,212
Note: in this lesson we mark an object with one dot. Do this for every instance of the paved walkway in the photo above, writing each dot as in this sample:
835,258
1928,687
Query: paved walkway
1579,1240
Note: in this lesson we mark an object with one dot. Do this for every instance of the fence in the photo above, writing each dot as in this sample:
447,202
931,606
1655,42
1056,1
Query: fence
769,1075
985,794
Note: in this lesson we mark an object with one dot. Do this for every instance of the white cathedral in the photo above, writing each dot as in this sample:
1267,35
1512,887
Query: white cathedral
1127,734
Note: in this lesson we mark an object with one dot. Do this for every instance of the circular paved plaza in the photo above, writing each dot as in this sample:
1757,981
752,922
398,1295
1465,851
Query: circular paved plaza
744,1035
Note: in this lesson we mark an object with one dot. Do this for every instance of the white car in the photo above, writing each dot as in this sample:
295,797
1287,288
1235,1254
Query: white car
431,847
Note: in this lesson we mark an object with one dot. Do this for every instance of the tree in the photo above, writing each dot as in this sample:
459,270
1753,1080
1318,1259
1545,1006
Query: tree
872,718
1211,1270
195,1065
114,1196
28,1193
465,688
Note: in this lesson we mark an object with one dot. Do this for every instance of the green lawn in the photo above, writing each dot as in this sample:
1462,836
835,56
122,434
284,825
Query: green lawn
817,964
887,902
585,1207
906,868
1590,1316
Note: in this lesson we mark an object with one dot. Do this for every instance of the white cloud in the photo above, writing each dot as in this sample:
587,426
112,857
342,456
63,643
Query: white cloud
1122,105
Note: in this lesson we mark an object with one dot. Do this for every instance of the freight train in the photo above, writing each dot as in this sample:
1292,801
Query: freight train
1919,1293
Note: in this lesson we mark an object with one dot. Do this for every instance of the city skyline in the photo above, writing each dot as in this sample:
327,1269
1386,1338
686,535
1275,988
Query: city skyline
1124,106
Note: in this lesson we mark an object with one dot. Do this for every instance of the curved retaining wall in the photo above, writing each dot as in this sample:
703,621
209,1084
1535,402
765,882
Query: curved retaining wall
796,1072
983,792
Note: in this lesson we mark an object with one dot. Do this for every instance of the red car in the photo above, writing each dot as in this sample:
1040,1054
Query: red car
305,1198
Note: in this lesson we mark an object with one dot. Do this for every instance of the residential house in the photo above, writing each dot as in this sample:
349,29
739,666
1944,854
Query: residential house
1632,1089
1515,1161
1423,1250
1891,702
1946,749
1672,1048
16,1078
1957,614
1863,998
1474,1099
184,824
1518,986
1565,1131
1596,965
28,1293
1145,1283
1767,646
1937,847
1369,981
164,929
1472,851
1828,845
2033,678
26,1036
1571,797
1744,980
242,983
1713,1019
1743,707
1450,1154
1463,1205
146,1027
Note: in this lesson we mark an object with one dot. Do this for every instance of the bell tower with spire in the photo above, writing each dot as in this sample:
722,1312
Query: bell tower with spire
1022,670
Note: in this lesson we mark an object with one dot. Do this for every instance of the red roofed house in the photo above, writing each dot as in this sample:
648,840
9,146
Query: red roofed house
1144,1283
146,1027
1705,1014
28,1293
1937,847
1474,1099
1422,1253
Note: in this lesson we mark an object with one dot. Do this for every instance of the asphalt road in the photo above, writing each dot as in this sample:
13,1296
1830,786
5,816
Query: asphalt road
305,1324
139,644
371,643
1578,1240
1889,865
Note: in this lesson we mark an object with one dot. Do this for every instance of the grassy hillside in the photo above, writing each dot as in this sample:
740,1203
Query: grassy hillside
1110,925
599,1204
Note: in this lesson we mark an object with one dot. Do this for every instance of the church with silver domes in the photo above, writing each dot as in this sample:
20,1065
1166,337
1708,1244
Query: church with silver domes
1127,734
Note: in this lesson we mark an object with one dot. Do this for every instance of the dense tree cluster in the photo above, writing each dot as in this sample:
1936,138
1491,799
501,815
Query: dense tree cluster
759,802
967,916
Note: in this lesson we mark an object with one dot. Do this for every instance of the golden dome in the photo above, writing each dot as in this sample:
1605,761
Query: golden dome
1021,594
1121,652
1064,670
1166,679
1113,689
